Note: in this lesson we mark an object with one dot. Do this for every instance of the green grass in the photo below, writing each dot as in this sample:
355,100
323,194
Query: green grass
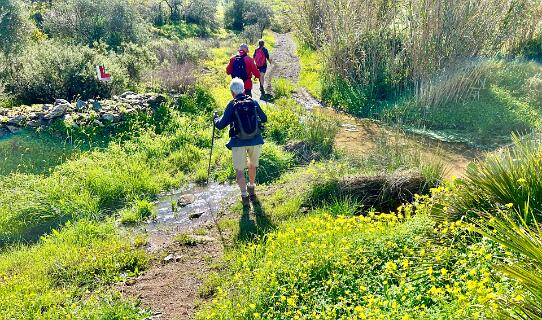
139,212
510,102
64,275
311,68
282,88
29,152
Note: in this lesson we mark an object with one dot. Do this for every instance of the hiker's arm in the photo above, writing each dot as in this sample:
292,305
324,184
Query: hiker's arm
229,68
267,56
261,114
226,118
255,70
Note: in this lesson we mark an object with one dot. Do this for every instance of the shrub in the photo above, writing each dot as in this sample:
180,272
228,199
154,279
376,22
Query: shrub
319,133
198,100
384,49
203,13
53,70
136,60
258,14
510,177
112,22
234,15
14,25
283,121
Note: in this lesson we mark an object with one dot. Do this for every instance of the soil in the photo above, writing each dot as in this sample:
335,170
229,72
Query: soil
171,289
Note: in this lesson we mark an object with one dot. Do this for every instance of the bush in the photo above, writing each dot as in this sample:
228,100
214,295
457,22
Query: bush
234,15
282,88
511,177
14,25
53,70
203,13
88,22
139,212
283,121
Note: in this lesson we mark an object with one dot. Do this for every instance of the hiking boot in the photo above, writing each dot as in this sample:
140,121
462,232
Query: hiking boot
246,201
251,191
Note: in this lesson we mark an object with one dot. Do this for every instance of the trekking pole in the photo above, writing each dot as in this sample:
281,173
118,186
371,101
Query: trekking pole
212,145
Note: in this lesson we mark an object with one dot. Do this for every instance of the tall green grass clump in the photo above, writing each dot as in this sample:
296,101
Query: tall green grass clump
524,239
511,177
282,88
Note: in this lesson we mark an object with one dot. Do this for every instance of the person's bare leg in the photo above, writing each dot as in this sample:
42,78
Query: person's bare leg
262,83
251,174
240,177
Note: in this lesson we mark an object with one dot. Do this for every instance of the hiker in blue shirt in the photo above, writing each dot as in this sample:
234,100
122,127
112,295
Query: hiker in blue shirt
244,117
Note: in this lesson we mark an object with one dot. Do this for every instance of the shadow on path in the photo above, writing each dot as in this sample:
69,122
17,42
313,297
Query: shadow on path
250,229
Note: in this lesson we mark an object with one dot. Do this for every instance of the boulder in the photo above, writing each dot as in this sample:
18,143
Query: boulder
17,120
61,101
57,111
80,105
128,93
96,106
109,117
156,101
33,123
186,199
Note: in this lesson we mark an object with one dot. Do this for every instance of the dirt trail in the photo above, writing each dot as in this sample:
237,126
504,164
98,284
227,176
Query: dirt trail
171,286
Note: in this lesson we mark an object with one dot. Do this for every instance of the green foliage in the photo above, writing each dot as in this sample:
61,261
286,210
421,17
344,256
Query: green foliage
347,96
283,121
258,14
52,70
484,102
113,22
511,230
234,15
52,279
384,266
185,239
510,177
274,161
139,212
282,88
319,134
136,60
198,101
14,25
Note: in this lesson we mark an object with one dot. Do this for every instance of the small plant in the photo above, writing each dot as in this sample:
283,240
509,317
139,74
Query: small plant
185,239
140,211
282,88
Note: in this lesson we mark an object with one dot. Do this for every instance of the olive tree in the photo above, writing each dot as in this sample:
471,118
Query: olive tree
112,22
14,26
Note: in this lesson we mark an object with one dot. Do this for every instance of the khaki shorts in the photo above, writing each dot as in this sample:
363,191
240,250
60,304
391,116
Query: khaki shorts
239,155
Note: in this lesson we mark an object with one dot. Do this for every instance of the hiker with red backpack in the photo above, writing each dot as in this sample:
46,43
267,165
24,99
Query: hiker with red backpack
244,116
243,67
261,56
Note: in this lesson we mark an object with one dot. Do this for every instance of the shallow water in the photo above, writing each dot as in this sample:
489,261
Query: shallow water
209,199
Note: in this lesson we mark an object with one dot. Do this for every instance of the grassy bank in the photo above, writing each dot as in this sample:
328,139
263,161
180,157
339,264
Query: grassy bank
435,258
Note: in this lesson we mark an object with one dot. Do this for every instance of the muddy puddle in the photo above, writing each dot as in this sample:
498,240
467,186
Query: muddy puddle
187,208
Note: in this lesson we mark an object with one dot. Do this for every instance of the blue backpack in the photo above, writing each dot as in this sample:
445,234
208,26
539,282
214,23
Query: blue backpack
239,69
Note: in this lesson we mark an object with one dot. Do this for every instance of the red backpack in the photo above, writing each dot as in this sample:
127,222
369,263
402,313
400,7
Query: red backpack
260,58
